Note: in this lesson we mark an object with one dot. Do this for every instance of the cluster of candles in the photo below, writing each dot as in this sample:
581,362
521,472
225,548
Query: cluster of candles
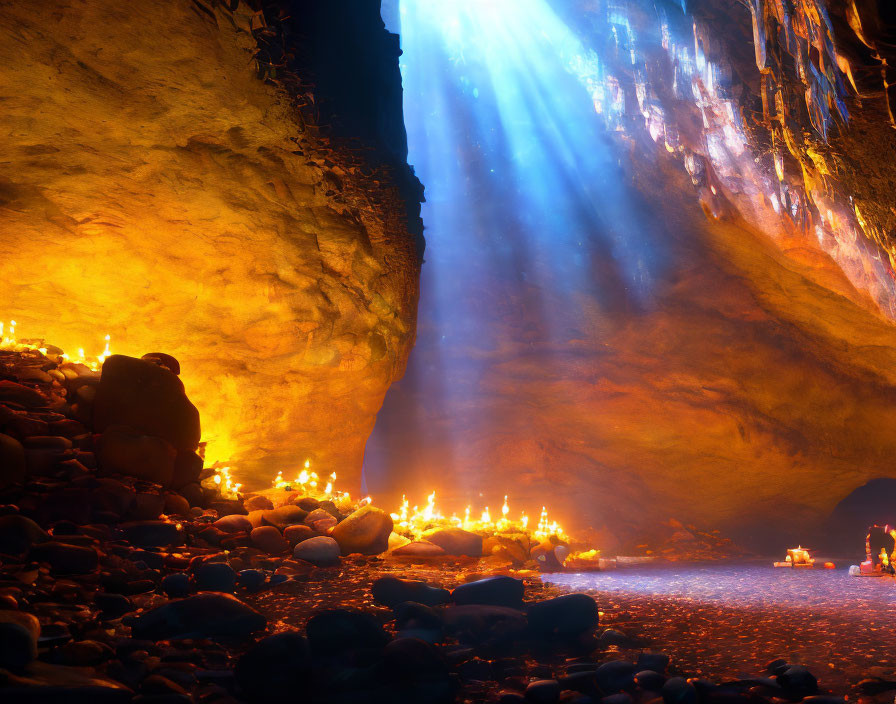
410,520
9,341
413,521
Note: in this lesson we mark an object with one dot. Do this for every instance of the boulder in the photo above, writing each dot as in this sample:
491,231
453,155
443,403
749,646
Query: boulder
391,591
678,690
274,669
296,534
12,461
149,534
147,397
365,531
615,676
797,680
321,550
206,615
543,692
177,585
269,540
258,503
337,631
284,516
12,392
418,548
493,591
18,534
234,523
567,615
187,469
215,577
456,541
123,450
19,632
64,558
319,519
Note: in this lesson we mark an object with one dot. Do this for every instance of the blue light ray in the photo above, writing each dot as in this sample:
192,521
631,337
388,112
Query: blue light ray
527,211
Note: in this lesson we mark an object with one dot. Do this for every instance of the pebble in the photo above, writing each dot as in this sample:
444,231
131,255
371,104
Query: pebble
319,551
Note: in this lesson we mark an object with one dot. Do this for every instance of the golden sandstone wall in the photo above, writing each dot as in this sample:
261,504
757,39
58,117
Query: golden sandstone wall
154,189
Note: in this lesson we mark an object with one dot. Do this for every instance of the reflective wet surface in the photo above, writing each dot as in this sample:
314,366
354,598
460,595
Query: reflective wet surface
730,620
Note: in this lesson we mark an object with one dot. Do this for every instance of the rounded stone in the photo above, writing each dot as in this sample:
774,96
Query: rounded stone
391,591
215,577
19,633
567,615
296,534
176,585
493,591
268,539
12,461
321,550
365,531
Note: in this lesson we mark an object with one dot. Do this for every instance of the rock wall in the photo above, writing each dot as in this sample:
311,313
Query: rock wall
162,184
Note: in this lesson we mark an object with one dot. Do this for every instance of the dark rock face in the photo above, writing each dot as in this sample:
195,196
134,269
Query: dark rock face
148,398
323,302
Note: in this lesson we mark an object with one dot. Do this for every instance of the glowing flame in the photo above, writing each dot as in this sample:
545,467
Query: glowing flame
225,483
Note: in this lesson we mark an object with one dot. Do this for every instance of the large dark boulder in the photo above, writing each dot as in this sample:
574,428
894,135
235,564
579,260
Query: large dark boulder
275,669
391,591
18,533
494,591
12,461
567,615
147,397
337,631
205,615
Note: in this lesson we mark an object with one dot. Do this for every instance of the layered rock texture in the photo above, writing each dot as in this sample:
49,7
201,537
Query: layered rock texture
166,183
753,387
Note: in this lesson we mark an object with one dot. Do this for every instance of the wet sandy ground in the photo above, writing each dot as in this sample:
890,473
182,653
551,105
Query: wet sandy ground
725,621
721,621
